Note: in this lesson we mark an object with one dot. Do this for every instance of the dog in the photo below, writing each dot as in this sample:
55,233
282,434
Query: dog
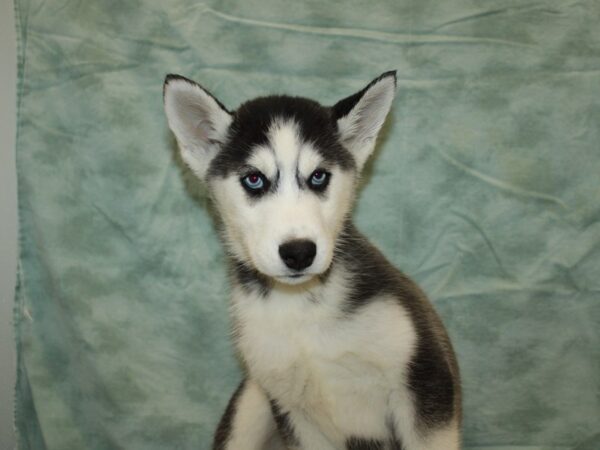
340,349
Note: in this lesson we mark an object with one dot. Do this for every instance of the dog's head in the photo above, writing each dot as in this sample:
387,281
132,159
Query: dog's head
282,170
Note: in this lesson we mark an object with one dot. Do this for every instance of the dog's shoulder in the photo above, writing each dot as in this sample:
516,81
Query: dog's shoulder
433,371
371,276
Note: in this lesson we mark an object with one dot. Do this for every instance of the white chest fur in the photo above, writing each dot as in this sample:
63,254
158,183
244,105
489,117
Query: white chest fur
339,369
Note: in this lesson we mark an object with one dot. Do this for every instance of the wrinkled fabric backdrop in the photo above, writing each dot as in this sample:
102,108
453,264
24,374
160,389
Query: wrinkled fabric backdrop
485,188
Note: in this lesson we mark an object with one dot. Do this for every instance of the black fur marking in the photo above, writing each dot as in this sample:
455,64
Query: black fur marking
371,273
251,122
344,106
249,278
396,444
355,443
431,379
223,432
433,372
284,425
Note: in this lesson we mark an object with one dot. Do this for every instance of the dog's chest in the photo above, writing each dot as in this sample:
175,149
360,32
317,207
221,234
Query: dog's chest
314,359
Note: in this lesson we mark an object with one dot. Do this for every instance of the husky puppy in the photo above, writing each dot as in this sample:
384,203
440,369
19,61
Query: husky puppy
340,349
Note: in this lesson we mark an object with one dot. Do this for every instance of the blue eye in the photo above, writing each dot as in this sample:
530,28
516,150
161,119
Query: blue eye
254,182
318,179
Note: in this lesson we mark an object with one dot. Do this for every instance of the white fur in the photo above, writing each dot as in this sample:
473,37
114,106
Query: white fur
334,375
252,431
255,230
296,345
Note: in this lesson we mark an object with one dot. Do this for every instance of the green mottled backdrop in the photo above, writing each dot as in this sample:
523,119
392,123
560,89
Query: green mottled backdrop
485,188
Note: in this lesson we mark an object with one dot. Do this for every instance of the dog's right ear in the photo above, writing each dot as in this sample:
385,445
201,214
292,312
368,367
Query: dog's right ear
198,120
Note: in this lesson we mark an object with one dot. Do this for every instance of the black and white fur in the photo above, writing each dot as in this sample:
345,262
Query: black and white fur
340,349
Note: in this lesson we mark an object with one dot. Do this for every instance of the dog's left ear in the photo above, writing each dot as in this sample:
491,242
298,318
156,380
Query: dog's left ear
360,116
198,120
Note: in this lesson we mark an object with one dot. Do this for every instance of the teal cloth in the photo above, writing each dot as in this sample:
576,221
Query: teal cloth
485,188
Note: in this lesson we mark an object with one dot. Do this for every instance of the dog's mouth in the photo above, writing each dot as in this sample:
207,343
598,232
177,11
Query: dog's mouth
294,278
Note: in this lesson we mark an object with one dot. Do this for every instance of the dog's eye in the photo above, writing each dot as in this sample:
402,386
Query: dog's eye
318,179
255,182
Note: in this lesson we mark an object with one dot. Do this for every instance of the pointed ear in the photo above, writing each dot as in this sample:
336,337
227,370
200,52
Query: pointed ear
198,120
360,116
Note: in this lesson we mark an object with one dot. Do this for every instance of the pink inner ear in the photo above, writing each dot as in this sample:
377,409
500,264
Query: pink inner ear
203,129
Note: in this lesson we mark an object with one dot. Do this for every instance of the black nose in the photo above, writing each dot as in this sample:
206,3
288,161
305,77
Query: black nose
298,254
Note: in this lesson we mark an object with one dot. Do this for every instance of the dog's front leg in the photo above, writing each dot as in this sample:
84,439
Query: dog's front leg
247,423
304,435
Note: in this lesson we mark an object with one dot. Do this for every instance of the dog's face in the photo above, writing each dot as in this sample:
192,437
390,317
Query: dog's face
282,170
